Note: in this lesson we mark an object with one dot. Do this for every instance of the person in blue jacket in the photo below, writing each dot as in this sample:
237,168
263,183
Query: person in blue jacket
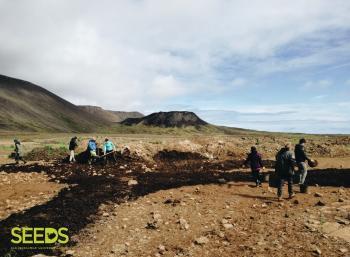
92,149
109,150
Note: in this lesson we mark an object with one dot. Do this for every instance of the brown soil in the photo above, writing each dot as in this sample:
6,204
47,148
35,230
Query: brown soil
180,207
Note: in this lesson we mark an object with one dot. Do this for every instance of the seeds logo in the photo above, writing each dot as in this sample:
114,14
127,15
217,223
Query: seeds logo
39,236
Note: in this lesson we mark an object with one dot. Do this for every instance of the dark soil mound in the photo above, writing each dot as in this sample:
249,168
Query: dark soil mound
167,119
173,155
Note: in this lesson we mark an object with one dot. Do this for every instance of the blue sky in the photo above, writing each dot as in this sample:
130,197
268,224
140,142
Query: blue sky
268,65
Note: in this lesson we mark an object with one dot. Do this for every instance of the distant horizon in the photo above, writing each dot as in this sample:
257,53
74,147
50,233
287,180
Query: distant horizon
207,115
272,65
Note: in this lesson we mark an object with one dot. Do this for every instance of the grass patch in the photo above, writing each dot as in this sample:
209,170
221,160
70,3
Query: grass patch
46,153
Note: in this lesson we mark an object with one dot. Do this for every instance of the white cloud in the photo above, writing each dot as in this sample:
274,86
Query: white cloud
309,118
112,52
163,87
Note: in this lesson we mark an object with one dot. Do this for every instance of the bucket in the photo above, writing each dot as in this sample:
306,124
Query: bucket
265,177
303,189
273,180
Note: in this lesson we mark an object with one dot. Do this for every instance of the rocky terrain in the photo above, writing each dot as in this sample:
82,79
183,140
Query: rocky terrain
180,197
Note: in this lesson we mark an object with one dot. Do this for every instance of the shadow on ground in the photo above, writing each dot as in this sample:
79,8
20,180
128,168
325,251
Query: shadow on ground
89,187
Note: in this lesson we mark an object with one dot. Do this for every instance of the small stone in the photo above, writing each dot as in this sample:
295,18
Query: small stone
132,182
183,224
341,191
343,250
342,221
317,250
224,221
70,252
329,227
201,240
227,226
105,214
161,249
156,216
296,201
341,200
221,235
119,248
320,203
317,194
148,169
222,180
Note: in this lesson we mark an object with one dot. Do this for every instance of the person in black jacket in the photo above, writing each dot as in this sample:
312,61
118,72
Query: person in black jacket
254,160
301,159
285,170
73,144
18,152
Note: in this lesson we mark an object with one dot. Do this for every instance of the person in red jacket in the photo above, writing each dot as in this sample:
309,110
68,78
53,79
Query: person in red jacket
254,159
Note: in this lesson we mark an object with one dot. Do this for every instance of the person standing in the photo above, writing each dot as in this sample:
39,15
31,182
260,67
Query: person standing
254,160
109,150
301,159
285,170
73,144
18,152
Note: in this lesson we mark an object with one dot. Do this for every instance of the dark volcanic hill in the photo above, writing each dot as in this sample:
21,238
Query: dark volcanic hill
28,107
168,119
112,116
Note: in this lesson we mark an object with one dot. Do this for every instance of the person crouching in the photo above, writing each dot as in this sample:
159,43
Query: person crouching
92,149
254,160
109,150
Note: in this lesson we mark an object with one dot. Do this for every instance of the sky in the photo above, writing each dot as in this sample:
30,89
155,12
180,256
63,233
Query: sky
274,65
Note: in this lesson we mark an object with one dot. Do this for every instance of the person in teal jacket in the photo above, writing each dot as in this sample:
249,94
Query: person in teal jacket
109,150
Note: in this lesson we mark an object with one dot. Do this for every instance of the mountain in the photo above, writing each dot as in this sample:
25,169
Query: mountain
28,107
167,120
111,116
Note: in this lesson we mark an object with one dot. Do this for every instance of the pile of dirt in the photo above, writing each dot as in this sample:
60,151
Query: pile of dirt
173,155
167,120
